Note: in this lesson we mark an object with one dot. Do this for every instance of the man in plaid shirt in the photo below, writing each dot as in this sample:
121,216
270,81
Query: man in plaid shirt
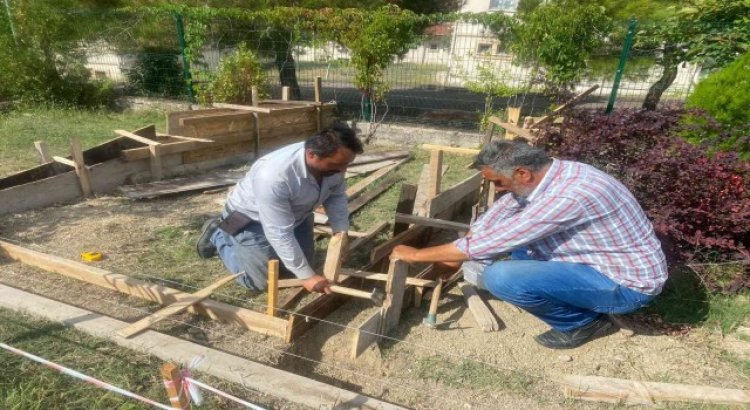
581,246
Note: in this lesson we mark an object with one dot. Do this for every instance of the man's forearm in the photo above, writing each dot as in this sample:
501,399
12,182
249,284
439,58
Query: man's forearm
440,253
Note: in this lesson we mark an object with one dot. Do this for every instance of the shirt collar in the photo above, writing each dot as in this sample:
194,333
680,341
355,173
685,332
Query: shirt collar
554,168
299,162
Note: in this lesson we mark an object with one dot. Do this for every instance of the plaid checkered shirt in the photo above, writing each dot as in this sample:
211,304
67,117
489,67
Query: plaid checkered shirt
576,214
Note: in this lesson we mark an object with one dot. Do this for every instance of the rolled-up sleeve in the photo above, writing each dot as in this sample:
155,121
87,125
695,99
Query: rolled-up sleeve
336,207
536,221
277,219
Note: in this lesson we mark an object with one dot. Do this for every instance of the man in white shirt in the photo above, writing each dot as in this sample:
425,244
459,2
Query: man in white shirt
269,214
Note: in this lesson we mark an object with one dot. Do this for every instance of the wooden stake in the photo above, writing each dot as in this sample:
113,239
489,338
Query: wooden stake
155,162
43,150
80,166
479,309
273,286
514,114
285,93
337,247
406,202
436,172
174,308
178,397
454,150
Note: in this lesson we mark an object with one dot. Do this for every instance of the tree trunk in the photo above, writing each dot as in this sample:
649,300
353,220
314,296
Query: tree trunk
288,72
668,75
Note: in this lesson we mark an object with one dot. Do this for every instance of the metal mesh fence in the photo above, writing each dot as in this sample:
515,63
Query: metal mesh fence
431,84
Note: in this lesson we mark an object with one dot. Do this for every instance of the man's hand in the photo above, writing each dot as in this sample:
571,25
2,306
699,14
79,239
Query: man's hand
317,283
404,253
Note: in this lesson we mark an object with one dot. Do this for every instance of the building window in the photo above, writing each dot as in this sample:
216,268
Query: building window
484,48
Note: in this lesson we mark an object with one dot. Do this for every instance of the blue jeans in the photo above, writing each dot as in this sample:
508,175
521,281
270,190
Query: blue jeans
564,295
249,251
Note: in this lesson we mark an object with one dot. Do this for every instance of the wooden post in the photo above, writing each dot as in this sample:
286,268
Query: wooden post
256,123
173,383
405,206
514,114
318,91
285,93
337,247
395,288
273,286
479,309
80,166
156,168
436,172
43,150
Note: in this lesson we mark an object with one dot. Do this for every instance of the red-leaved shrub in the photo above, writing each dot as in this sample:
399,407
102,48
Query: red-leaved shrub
698,201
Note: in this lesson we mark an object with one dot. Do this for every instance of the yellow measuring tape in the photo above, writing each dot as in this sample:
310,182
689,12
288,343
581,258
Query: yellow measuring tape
91,256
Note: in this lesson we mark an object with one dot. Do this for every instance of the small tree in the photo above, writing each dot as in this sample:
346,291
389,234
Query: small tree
237,75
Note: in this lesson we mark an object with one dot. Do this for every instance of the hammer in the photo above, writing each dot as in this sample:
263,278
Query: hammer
375,296
431,319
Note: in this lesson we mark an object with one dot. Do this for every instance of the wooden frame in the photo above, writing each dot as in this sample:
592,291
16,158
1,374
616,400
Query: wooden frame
251,320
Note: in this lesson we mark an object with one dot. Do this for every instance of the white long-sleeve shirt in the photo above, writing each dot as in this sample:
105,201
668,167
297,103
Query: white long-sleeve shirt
280,193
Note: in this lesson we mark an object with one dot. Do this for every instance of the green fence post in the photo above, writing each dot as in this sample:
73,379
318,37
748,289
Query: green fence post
621,66
367,108
185,62
11,23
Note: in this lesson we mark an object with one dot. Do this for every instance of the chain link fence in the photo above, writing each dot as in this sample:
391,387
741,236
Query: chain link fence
436,83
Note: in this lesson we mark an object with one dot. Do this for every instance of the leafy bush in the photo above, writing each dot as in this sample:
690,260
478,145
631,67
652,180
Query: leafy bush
725,94
156,72
699,202
236,76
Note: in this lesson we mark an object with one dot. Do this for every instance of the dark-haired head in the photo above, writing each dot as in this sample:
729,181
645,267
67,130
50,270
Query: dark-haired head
331,150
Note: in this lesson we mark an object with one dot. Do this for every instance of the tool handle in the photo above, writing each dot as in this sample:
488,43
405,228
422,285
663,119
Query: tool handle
436,297
351,292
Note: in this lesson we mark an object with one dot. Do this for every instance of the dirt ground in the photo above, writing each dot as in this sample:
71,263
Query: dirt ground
454,366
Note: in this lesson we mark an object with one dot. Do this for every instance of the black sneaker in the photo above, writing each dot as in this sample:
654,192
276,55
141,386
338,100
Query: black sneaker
555,339
205,248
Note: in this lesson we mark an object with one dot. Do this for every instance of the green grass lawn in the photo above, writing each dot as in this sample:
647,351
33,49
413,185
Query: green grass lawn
20,128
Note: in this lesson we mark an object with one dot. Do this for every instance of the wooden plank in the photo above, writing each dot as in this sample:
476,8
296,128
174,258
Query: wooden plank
405,205
43,150
367,333
395,288
383,277
221,117
136,137
436,173
367,168
420,200
178,185
81,170
446,148
611,390
65,161
287,386
157,172
218,151
318,94
379,157
431,222
255,321
372,193
454,195
179,137
174,308
514,129
273,286
289,283
360,186
337,248
148,131
478,307
513,114
564,107
248,108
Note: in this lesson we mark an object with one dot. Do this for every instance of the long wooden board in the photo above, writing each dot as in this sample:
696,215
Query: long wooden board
255,321
455,194
611,390
174,308
178,185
